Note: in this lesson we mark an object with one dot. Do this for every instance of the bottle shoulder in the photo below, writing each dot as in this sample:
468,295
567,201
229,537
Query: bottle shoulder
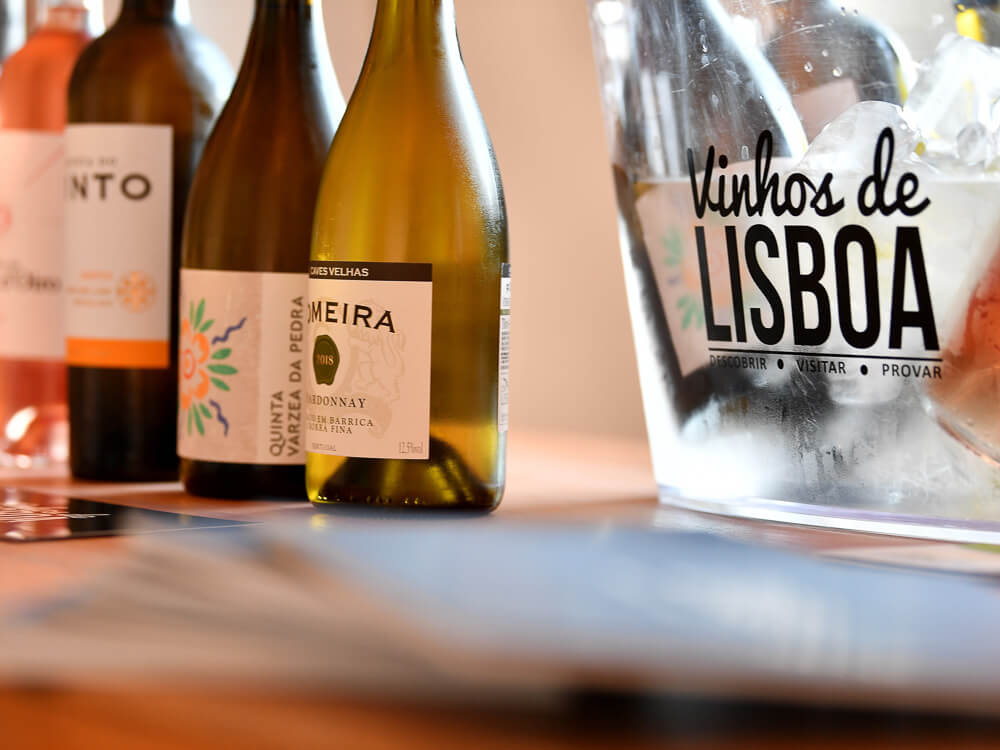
167,58
411,175
34,80
252,200
411,122
45,54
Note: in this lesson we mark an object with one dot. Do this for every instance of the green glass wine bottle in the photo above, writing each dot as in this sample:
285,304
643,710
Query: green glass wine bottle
142,101
409,283
245,259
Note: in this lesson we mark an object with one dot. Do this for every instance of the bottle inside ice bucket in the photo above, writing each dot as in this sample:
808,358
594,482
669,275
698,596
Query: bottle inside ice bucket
670,104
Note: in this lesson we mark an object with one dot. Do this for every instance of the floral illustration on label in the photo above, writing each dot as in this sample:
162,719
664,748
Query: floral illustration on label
136,291
202,367
688,301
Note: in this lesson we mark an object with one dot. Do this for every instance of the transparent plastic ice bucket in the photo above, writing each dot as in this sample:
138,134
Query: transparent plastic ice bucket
809,206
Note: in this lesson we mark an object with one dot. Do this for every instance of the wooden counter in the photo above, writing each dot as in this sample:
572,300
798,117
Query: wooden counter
550,477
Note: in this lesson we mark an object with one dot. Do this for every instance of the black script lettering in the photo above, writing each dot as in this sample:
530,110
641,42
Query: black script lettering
754,197
878,183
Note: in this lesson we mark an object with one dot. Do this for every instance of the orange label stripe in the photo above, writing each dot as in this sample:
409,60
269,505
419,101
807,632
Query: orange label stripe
142,355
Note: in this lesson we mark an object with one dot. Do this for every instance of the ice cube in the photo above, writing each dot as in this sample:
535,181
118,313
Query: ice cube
847,144
974,144
957,90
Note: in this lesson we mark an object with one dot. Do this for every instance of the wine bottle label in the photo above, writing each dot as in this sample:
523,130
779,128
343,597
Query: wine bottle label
370,359
242,365
503,382
119,193
31,245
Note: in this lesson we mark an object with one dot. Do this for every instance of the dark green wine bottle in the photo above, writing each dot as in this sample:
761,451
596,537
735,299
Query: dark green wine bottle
142,101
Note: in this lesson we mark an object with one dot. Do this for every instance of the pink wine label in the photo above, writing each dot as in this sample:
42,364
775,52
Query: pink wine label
242,364
31,245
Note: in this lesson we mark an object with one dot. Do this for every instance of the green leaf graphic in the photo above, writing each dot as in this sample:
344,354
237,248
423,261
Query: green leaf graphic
191,311
197,421
189,421
199,313
222,354
223,369
206,326
204,410
675,248
220,384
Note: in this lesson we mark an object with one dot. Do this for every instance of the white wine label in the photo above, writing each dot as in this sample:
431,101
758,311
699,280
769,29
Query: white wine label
119,195
370,359
503,382
31,245
242,364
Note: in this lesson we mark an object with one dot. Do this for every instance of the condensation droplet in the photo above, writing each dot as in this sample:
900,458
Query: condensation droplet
704,43
744,153
705,60
715,100
837,72
825,53
808,67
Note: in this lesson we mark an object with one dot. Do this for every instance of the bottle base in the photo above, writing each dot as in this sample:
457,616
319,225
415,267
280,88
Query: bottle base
441,482
35,438
226,481
116,474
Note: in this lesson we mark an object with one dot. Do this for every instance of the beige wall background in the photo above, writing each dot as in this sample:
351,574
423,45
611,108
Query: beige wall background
573,365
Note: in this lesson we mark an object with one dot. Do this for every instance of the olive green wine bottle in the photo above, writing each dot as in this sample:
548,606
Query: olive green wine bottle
409,283
142,101
245,262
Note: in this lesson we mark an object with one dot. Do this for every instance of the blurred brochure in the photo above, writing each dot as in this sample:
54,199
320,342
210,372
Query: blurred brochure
491,608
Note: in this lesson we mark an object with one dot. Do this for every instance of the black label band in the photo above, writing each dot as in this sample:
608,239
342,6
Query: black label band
335,269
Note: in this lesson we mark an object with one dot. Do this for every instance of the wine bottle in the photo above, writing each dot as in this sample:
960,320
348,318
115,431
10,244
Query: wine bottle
409,283
142,101
829,59
677,100
979,20
245,260
33,89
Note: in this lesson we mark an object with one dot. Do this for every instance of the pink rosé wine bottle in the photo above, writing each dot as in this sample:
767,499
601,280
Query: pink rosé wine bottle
33,94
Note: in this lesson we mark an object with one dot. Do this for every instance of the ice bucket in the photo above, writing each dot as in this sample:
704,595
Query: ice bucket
809,206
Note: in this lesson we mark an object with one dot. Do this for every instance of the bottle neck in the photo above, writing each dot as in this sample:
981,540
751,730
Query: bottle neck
407,26
287,33
178,11
70,15
279,23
